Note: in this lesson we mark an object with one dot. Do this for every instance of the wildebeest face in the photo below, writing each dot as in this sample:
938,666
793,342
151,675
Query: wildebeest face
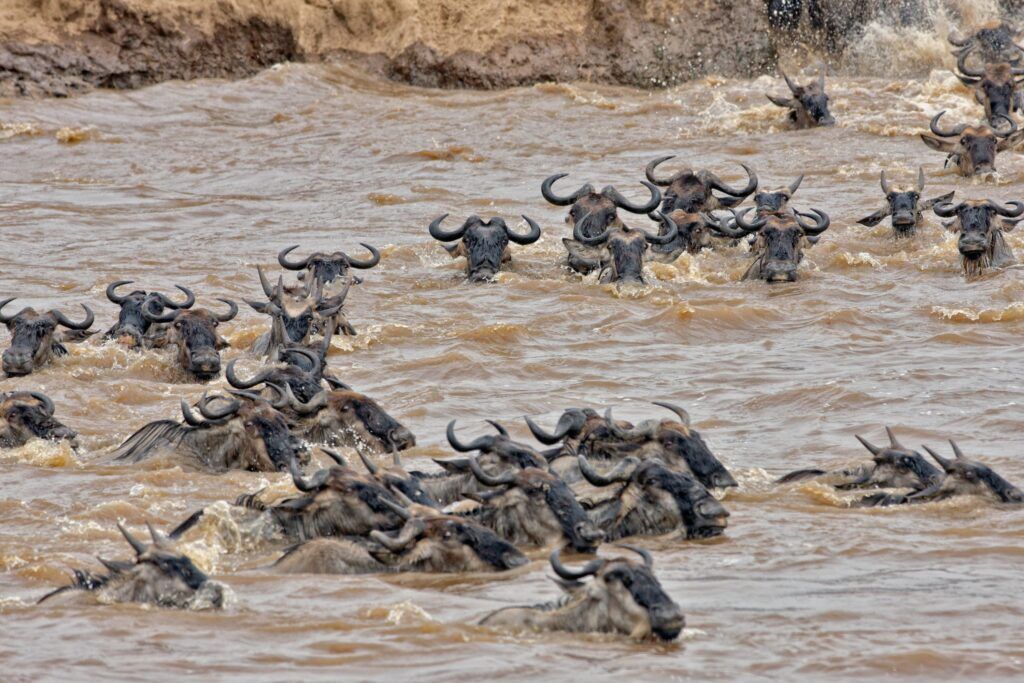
32,337
484,243
768,202
194,333
995,87
159,575
904,205
967,477
335,415
808,104
620,251
994,42
780,241
322,269
972,148
894,466
981,240
691,192
703,516
26,415
594,212
132,323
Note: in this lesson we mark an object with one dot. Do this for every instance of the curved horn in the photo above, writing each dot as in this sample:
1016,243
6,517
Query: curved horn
952,132
239,383
875,450
621,433
501,430
946,209
589,569
893,441
947,465
363,264
577,234
6,318
282,258
886,187
204,408
721,227
165,317
648,560
70,324
623,203
620,473
438,234
302,484
530,237
314,359
268,290
958,41
742,223
670,234
412,530
368,464
504,479
112,294
717,183
793,87
232,311
315,404
47,406
961,63
189,416
683,416
1013,126
569,422
956,451
189,302
819,225
334,455
795,185
552,198
138,546
649,171
475,445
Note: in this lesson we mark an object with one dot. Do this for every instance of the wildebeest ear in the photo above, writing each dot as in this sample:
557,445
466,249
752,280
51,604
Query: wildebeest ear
223,343
952,226
876,218
1009,224
156,339
454,250
1010,141
726,202
454,465
782,101
929,203
938,144
481,496
581,252
569,587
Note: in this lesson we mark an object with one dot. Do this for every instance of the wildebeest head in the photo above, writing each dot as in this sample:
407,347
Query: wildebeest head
534,506
655,500
346,417
27,415
592,212
808,105
484,243
32,337
132,324
895,466
398,480
781,239
768,202
433,542
975,147
967,477
996,87
573,426
619,251
904,205
675,442
981,243
294,318
694,231
302,372
496,450
994,42
691,191
194,333
158,575
321,269
622,596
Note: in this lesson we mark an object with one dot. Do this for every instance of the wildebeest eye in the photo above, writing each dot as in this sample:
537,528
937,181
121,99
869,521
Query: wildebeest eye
969,475
178,324
963,140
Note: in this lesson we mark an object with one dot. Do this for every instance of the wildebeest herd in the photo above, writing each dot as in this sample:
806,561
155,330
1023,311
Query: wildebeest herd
591,480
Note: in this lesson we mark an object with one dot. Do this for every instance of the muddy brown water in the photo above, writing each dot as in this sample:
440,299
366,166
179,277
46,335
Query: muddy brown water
196,183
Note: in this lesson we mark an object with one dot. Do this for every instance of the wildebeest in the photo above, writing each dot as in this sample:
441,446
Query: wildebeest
623,597
429,541
321,269
132,325
484,244
994,42
617,252
27,415
975,148
996,87
781,239
33,341
981,243
694,231
294,319
158,575
245,432
594,212
343,417
692,191
302,370
532,507
194,333
768,202
891,467
904,205
653,500
405,485
808,105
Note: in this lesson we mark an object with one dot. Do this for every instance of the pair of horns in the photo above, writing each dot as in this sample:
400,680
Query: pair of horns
712,180
450,236
301,264
671,232
171,315
888,188
957,130
114,297
608,192
1011,210
57,315
594,566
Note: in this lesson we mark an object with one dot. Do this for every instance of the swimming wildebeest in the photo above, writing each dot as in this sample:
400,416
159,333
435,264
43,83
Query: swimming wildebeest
694,191
594,211
33,341
781,239
321,269
975,148
996,87
132,325
981,243
245,432
484,244
407,486
994,42
28,415
768,202
293,319
904,205
891,467
808,106
302,370
342,417
694,231
617,252
158,575
532,507
623,597
429,541
652,500
194,333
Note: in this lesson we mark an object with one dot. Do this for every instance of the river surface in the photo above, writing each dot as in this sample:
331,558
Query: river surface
197,183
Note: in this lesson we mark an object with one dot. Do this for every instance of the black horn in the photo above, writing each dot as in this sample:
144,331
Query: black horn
282,258
552,198
952,132
620,473
649,171
70,324
717,183
503,479
230,315
112,294
530,237
589,569
623,203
